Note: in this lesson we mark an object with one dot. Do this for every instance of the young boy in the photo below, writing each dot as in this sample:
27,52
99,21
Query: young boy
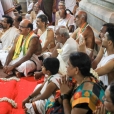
35,103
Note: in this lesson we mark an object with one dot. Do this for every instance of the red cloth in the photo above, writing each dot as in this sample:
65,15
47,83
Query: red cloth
18,91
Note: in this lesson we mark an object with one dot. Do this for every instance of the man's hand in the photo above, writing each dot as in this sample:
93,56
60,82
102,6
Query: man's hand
8,69
24,102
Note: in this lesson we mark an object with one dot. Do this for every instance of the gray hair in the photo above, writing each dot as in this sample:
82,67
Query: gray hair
64,31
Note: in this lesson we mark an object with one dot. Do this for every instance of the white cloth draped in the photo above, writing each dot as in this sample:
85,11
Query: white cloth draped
8,38
69,47
40,104
105,60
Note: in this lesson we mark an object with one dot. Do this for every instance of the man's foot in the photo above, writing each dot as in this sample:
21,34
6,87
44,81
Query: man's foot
19,75
38,75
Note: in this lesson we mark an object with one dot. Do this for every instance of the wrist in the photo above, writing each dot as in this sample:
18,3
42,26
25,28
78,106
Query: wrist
30,97
65,96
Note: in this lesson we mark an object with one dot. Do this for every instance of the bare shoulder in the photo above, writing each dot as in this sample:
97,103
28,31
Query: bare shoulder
34,39
50,31
89,30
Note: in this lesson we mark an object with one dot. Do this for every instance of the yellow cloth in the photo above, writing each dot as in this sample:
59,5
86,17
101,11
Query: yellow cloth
24,45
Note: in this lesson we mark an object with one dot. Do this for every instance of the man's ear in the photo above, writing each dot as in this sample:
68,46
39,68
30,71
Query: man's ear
110,42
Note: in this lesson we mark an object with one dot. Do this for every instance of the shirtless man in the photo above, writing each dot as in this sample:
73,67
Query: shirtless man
105,68
23,55
46,35
83,30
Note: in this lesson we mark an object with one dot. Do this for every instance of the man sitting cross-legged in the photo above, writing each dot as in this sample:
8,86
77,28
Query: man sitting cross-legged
64,47
23,55
84,32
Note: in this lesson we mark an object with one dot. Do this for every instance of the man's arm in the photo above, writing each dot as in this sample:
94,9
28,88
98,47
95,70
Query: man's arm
55,53
51,87
89,38
98,58
107,68
49,39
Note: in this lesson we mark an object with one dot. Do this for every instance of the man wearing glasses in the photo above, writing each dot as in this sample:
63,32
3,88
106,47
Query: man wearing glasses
23,56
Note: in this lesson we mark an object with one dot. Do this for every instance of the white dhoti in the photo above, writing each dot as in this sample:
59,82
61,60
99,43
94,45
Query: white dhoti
27,66
63,56
40,104
3,56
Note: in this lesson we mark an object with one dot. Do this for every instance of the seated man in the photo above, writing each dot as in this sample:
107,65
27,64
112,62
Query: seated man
46,35
34,14
30,8
23,55
64,47
66,20
61,5
105,67
17,20
84,32
8,34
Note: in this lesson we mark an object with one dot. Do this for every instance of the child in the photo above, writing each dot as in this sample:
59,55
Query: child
35,103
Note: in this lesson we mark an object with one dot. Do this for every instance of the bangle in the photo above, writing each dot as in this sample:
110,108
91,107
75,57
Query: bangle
65,96
30,97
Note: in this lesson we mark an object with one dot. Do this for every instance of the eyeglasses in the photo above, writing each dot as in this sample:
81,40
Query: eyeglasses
22,26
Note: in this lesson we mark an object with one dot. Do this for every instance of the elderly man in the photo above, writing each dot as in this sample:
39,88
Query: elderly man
84,32
23,55
64,47
63,51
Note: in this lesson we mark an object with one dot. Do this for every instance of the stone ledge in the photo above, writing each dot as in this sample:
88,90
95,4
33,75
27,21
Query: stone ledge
102,13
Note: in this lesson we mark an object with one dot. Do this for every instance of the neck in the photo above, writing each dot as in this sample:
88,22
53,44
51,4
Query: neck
64,41
24,36
5,29
43,29
110,51
82,25
64,16
36,12
79,79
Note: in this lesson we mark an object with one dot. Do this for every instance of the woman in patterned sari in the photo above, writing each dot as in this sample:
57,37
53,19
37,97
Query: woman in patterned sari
87,93
108,106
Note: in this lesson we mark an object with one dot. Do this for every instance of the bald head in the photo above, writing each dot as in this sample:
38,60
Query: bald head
83,15
80,18
27,23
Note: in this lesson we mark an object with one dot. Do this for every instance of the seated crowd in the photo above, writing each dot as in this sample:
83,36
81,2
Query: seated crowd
74,78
